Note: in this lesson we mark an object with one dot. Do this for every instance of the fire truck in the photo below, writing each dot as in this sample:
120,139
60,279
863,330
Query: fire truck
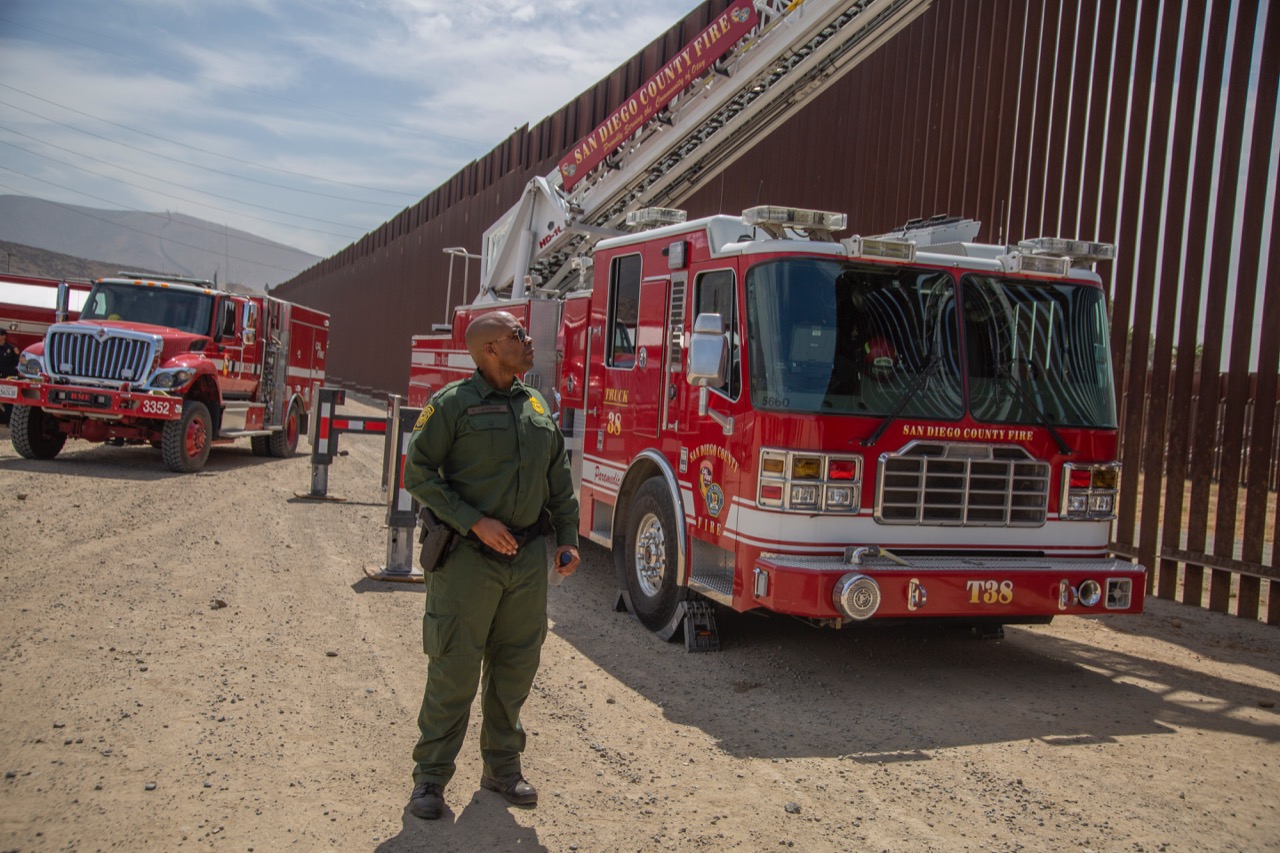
28,306
767,414
169,361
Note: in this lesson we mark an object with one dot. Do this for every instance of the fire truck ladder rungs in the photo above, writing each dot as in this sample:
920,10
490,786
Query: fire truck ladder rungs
796,52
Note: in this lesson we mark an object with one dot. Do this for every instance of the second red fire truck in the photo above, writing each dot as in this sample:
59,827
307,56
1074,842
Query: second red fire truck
169,361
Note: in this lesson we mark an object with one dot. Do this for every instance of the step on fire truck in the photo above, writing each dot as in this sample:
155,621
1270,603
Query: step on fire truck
913,425
169,361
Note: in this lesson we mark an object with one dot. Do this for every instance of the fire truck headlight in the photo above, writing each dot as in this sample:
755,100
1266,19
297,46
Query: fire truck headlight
804,497
30,365
167,379
1089,593
839,497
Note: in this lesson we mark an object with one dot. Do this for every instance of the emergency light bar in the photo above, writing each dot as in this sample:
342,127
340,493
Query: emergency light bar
1017,262
879,247
1076,250
653,217
773,218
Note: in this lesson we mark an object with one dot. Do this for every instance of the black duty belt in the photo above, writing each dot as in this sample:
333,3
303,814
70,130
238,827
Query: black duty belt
522,535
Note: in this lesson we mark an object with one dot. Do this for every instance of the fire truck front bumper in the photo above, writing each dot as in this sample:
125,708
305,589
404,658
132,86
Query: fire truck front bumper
91,401
870,584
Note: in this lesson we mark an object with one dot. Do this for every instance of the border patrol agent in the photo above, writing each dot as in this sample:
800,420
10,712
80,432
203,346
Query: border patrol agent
488,460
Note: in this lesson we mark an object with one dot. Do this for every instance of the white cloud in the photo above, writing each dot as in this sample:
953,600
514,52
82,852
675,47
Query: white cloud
340,98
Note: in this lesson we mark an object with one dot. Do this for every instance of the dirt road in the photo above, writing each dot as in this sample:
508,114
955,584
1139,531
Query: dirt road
137,712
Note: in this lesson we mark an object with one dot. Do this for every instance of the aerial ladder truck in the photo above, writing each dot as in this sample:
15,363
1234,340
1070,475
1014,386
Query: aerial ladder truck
901,427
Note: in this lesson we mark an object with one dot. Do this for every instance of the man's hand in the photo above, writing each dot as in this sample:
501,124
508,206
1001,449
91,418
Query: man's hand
574,560
495,534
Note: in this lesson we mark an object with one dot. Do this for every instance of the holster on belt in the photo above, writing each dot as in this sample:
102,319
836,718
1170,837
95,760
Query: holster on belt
437,539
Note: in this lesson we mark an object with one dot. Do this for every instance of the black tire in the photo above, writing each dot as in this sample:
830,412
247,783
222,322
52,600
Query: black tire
651,556
34,433
285,442
260,445
186,441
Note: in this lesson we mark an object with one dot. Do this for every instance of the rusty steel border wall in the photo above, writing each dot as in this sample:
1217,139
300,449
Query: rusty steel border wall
1148,123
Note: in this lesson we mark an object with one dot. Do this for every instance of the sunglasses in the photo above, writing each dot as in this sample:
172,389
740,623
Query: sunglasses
518,334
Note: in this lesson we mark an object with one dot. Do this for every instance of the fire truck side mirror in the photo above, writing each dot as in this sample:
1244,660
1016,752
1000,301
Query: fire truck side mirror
249,326
708,351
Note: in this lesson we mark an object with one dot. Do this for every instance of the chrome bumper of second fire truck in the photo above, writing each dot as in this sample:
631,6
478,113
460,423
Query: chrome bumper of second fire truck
91,401
870,584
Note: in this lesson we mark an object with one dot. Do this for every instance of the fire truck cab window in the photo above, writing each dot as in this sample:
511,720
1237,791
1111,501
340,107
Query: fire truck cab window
188,311
624,310
714,293
832,337
1037,351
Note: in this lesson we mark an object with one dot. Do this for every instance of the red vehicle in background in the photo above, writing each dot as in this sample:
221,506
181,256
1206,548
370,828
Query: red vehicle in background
169,361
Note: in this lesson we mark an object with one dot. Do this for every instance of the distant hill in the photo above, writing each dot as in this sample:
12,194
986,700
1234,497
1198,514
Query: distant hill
18,259
156,242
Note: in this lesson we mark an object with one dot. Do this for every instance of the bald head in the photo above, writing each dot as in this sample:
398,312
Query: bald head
487,328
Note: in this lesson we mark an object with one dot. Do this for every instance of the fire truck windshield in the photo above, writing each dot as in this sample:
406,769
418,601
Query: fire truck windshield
1037,352
175,308
838,338
835,337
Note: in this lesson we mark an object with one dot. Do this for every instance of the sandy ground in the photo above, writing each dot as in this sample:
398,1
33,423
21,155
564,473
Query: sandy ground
139,713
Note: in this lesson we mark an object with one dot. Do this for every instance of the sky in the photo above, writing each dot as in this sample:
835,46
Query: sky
306,122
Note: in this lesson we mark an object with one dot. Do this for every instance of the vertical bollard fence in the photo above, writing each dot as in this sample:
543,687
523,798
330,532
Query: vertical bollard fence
402,513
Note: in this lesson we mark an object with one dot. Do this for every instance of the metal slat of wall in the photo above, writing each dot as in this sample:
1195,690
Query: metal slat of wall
1076,128
1260,189
1173,450
1181,461
1133,363
1148,457
1219,268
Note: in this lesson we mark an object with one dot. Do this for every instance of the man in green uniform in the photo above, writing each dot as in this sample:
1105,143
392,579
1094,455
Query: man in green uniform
489,461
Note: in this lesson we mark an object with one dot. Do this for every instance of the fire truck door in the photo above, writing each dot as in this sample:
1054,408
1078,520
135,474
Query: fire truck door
633,383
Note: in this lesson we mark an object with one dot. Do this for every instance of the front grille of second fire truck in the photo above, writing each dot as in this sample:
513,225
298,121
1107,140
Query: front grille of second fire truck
117,357
962,484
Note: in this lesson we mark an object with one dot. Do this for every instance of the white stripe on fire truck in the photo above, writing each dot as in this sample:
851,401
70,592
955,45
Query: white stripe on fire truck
305,374
39,296
21,327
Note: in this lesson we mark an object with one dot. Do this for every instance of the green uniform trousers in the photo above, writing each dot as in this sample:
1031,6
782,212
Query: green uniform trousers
484,614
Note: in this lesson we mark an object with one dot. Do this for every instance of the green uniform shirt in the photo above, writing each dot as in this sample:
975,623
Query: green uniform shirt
477,451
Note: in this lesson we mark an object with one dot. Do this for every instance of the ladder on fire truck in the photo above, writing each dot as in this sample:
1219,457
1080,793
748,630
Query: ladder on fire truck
793,52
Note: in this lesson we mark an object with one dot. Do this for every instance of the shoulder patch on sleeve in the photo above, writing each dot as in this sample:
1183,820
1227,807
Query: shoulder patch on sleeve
536,405
427,411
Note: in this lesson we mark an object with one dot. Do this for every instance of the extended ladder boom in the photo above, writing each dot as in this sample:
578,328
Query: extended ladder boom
793,50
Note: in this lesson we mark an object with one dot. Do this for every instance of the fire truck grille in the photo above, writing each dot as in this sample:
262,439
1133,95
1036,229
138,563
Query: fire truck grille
117,357
962,485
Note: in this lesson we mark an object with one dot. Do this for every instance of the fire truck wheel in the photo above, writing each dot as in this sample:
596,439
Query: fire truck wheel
285,442
34,433
651,556
186,442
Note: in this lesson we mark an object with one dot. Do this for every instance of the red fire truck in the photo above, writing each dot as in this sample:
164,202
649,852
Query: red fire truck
913,425
28,306
169,361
